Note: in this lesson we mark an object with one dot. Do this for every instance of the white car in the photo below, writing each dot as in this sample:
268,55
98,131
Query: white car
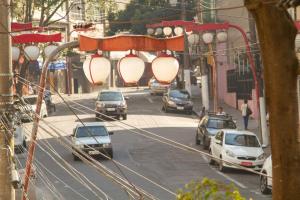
239,147
92,138
266,181
30,105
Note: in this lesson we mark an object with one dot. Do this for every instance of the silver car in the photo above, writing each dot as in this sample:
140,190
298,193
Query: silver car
92,138
111,103
159,88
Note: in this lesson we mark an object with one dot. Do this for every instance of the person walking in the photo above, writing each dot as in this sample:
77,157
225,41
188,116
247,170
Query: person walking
246,112
202,113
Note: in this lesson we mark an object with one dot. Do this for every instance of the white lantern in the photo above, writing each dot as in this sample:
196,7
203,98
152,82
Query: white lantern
32,52
165,68
96,69
15,53
150,31
208,38
131,68
167,31
178,30
158,31
193,39
222,36
49,49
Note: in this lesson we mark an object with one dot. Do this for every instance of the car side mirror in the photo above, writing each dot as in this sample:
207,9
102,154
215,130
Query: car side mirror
126,98
110,132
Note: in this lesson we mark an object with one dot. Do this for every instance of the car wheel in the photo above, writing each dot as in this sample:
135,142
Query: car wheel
197,140
205,146
111,154
221,166
75,158
211,160
264,185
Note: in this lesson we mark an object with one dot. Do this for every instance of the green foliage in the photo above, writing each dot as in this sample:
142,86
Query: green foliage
208,189
138,13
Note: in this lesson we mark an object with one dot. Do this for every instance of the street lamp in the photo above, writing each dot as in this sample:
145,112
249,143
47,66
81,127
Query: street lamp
167,31
178,30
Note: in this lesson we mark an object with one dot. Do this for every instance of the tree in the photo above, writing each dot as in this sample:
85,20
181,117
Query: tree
277,42
138,13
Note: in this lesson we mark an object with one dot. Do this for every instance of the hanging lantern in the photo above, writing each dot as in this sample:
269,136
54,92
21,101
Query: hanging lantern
32,52
165,68
193,39
222,36
208,38
178,30
131,68
150,31
158,31
96,69
49,49
15,53
167,31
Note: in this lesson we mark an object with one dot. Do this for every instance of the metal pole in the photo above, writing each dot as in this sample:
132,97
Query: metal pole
6,101
214,77
185,53
38,110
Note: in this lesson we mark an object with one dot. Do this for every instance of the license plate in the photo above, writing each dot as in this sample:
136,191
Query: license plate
180,108
110,109
93,152
247,164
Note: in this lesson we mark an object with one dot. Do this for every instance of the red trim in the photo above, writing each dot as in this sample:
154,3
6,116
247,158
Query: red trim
36,38
15,26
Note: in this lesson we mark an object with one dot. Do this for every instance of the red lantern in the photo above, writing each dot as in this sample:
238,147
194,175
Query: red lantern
96,69
131,68
165,68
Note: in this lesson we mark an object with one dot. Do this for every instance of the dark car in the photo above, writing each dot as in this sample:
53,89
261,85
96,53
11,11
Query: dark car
177,100
210,125
111,103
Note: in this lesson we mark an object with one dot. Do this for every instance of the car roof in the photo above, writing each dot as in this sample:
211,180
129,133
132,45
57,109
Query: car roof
91,124
238,132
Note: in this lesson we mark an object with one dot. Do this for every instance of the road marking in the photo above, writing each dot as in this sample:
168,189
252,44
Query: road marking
150,100
226,176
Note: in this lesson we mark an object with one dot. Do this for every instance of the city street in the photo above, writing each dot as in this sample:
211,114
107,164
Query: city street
163,164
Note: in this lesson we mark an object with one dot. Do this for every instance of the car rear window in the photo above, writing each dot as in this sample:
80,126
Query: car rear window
91,131
220,124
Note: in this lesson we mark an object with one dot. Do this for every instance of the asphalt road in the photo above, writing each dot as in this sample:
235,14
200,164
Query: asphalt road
163,164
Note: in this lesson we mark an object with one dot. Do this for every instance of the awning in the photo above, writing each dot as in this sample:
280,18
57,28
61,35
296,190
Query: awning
36,38
131,42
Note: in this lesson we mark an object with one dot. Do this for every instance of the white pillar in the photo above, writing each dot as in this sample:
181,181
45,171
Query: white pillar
187,82
263,121
204,91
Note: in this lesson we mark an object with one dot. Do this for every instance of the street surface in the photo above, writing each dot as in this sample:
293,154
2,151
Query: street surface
166,165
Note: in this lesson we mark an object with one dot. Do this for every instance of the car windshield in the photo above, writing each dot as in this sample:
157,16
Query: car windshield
241,140
220,124
91,131
110,96
179,94
30,100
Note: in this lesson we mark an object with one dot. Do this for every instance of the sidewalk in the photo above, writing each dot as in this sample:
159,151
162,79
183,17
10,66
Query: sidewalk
236,114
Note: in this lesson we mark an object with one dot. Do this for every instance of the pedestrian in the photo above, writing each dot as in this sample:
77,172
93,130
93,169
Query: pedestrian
246,112
220,111
202,113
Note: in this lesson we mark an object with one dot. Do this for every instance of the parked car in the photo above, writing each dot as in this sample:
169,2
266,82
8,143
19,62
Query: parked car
177,100
266,181
239,147
111,103
209,125
159,88
92,138
19,138
27,110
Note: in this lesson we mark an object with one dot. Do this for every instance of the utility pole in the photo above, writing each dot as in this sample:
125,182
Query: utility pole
6,100
68,60
203,66
185,66
262,104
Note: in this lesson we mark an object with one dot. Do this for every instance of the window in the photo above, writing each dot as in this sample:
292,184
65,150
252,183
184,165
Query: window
179,94
91,131
220,124
110,96
241,140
